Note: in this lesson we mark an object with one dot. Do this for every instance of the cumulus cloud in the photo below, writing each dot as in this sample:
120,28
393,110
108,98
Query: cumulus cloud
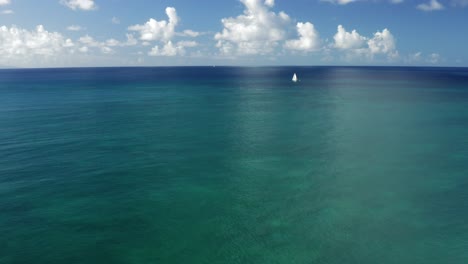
89,41
4,2
39,47
170,49
348,40
419,58
414,57
257,31
434,58
20,46
158,30
106,46
107,50
167,50
352,43
433,5
382,43
270,3
112,42
339,2
75,28
309,39
17,41
131,41
85,5
189,33
164,31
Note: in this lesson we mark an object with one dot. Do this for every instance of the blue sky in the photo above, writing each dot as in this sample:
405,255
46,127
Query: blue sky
56,33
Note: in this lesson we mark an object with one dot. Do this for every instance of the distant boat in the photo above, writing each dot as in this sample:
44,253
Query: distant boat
294,78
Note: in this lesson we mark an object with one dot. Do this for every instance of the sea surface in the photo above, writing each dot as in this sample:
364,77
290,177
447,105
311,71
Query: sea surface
363,165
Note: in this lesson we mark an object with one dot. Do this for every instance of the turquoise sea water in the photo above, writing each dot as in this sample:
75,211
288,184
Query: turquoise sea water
234,165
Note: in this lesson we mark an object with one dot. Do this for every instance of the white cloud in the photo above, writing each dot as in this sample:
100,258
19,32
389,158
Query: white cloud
257,31
86,5
131,41
419,58
270,3
75,28
112,42
21,47
107,50
170,49
106,46
115,20
38,47
17,41
7,12
433,5
339,2
167,50
68,43
355,45
83,49
309,39
89,41
414,58
164,31
187,44
154,30
4,2
347,40
382,43
190,33
434,58
396,1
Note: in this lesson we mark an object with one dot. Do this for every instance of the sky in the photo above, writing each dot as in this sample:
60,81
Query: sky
86,33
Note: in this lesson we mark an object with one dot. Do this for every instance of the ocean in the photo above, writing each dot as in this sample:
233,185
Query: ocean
234,165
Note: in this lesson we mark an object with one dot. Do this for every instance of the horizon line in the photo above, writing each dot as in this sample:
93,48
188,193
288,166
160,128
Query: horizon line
235,66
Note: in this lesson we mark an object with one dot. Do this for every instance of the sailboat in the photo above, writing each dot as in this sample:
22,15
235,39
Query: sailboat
294,78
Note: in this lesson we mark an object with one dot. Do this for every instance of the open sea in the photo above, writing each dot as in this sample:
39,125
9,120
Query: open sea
365,165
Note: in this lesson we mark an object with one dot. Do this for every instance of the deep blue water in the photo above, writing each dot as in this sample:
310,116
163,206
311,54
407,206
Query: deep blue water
234,165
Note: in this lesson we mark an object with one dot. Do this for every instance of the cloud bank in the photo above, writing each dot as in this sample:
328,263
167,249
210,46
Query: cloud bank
257,31
22,47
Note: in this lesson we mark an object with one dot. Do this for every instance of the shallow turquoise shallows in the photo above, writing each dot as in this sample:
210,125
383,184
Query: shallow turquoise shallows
364,165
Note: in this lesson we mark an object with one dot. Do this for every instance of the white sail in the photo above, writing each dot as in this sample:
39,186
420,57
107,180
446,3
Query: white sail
294,78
